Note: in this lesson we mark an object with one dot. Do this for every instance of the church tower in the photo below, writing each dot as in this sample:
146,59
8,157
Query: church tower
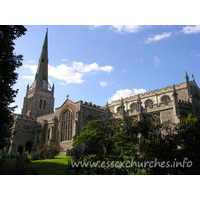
39,98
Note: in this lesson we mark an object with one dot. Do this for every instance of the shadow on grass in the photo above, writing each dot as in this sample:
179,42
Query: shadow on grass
56,166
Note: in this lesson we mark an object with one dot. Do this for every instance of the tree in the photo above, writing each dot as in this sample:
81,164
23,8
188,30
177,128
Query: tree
177,152
189,143
8,64
115,140
180,148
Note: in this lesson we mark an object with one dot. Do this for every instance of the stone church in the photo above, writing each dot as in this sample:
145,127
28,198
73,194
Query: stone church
39,123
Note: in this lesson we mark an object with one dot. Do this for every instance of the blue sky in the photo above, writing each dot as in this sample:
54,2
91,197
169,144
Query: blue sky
103,63
137,62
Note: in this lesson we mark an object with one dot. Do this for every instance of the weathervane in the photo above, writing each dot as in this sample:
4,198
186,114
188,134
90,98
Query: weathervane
67,96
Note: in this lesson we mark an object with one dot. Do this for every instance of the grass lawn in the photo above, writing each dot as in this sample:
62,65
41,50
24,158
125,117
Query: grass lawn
56,166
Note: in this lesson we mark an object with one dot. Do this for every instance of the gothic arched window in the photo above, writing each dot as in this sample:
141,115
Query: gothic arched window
119,109
149,103
40,106
66,125
28,147
89,118
44,105
48,134
165,99
133,106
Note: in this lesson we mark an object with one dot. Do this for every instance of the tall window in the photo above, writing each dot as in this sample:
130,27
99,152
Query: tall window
40,104
44,105
66,125
119,109
165,99
28,147
149,103
133,106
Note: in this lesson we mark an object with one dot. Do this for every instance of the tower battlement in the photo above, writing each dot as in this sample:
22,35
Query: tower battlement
91,105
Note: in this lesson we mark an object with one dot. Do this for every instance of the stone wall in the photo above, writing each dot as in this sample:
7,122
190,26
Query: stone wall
167,115
183,94
23,132
48,117
90,113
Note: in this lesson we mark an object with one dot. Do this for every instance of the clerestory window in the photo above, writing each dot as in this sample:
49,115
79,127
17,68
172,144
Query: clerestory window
149,103
119,109
133,106
165,99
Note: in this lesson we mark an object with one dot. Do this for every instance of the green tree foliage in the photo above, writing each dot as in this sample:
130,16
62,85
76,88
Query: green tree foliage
8,63
113,137
189,142
107,141
176,152
179,145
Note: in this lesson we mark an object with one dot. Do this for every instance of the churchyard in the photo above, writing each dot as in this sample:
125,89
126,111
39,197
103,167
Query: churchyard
56,166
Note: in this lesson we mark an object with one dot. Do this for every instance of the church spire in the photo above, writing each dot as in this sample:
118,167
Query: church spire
41,77
39,100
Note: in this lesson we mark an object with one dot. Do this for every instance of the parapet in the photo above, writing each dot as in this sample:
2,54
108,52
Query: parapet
45,117
182,103
131,98
151,93
19,116
91,105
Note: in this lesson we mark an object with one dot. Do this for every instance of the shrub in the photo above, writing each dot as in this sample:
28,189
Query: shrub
49,150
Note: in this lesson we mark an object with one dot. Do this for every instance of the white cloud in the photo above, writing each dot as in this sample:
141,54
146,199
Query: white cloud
198,54
61,83
63,59
191,29
84,68
97,26
125,93
17,110
158,37
28,77
103,84
122,29
72,74
107,68
33,68
30,61
127,28
92,27
65,73
157,61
